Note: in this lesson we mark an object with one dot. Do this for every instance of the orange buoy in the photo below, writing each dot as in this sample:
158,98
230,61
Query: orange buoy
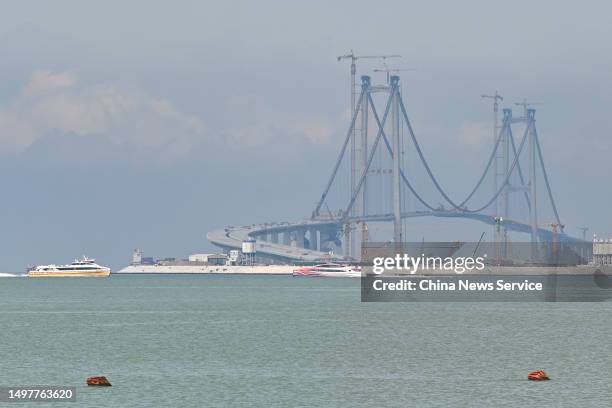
98,381
538,376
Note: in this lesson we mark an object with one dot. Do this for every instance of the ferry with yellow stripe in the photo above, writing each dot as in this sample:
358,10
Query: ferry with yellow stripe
83,267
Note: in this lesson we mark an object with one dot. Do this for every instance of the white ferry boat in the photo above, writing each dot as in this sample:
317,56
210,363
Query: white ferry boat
80,267
329,270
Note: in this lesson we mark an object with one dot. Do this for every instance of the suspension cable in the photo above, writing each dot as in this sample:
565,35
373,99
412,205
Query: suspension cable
516,159
420,152
342,151
390,150
550,195
520,172
484,173
370,156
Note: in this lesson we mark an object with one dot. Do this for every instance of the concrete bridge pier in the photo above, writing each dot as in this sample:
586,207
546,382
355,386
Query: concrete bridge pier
327,240
313,239
300,237
274,237
286,238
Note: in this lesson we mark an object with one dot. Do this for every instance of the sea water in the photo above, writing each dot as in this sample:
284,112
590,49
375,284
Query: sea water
277,341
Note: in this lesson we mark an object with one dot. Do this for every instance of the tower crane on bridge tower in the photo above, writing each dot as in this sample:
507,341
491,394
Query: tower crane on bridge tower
525,104
354,59
388,71
496,99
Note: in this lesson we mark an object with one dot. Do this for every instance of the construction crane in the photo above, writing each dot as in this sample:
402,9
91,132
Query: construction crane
584,231
389,70
527,103
496,99
354,59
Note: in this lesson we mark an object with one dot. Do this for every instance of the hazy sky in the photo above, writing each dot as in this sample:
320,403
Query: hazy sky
142,123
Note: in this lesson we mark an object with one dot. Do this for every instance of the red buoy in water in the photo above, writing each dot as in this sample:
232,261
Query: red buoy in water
538,376
98,381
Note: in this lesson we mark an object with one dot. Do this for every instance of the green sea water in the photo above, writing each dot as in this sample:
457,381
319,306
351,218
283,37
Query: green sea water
272,341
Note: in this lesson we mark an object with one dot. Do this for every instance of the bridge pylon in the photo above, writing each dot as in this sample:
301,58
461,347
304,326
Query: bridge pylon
353,216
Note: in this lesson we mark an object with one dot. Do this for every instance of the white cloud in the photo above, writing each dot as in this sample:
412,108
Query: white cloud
314,129
254,123
42,81
57,105
51,104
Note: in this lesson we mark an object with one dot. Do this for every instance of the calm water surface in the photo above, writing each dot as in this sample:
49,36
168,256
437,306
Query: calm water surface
252,341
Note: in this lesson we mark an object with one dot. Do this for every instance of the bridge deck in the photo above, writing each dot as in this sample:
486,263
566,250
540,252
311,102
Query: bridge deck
232,238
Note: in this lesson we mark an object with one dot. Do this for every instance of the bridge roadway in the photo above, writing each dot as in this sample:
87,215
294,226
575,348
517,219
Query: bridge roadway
295,247
268,244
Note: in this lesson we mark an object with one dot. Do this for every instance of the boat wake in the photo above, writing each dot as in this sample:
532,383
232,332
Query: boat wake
10,275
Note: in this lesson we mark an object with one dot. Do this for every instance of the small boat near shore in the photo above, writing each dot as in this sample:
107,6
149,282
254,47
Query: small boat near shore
329,270
83,267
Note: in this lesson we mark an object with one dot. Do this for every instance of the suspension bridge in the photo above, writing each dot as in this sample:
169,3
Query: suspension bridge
374,180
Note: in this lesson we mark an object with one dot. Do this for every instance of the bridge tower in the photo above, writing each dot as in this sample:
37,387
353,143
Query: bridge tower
396,153
529,186
533,208
363,155
505,134
350,237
